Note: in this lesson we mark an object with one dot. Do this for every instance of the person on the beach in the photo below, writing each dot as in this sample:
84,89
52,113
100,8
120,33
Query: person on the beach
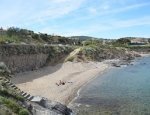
57,84
63,83
60,83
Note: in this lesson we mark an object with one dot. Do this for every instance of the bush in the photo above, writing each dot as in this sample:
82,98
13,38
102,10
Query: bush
6,39
11,104
23,112
70,59
14,106
20,98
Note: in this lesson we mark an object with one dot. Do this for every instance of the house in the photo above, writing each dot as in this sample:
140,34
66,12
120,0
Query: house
138,41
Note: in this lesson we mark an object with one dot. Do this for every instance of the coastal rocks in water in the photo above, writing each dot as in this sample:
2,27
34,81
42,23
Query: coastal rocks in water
122,63
47,107
115,64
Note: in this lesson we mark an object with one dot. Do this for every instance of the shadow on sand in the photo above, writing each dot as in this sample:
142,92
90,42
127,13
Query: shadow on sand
29,76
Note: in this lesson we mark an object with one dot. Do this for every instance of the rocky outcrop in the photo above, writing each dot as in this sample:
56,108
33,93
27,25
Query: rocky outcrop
100,54
47,107
4,71
140,49
21,58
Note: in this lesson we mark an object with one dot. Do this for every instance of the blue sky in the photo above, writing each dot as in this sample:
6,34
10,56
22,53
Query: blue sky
97,18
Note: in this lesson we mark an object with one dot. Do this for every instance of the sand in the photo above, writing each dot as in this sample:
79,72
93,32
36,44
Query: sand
43,82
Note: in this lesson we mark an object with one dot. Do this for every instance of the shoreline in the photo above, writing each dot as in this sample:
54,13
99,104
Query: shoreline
79,74
79,90
42,82
110,62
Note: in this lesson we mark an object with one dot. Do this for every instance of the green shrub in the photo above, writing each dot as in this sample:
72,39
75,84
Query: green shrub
4,92
11,104
20,98
5,38
70,59
23,112
9,93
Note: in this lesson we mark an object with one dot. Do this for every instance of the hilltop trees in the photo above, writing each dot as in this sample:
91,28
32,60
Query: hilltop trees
92,42
12,31
123,41
148,40
17,35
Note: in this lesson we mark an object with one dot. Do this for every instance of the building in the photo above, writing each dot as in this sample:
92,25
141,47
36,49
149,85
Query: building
139,41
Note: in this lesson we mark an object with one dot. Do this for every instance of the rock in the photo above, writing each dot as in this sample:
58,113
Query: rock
116,64
47,107
4,69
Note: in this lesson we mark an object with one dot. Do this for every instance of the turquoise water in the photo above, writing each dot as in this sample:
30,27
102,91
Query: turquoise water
120,91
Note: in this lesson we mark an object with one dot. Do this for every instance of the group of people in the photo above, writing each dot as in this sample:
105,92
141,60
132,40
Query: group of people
61,83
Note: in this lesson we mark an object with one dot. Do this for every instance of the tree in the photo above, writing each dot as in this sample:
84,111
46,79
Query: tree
123,41
148,40
13,31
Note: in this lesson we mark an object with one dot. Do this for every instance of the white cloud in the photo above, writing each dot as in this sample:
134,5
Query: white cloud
102,11
93,10
132,22
57,9
60,1
36,11
98,27
84,17
106,7
122,9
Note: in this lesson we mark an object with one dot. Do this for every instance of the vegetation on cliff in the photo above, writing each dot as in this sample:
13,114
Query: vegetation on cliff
11,102
97,53
16,35
99,50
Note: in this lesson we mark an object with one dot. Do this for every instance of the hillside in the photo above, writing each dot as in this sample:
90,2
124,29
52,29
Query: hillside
98,54
11,102
23,36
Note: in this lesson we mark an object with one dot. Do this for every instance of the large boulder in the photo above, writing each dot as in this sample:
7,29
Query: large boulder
56,107
47,107
4,69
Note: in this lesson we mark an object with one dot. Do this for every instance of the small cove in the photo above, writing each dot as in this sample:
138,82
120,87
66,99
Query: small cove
120,91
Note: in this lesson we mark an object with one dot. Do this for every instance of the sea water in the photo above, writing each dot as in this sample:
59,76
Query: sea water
119,91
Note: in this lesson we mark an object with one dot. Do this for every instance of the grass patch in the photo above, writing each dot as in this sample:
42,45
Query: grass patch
71,59
10,94
23,112
14,106
5,38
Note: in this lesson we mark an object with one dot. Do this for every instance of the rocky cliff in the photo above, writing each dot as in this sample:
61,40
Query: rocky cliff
97,53
141,49
19,58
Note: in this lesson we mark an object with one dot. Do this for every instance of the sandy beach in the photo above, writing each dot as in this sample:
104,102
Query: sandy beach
43,82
